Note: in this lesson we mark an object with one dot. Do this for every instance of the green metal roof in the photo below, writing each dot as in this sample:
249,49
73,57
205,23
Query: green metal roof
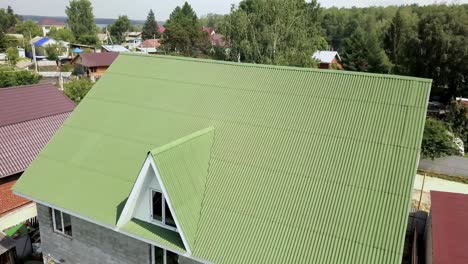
146,230
302,165
183,166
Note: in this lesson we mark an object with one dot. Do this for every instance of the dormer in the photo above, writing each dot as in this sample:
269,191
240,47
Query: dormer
170,187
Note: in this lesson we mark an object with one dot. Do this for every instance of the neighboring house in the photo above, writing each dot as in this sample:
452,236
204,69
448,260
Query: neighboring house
133,40
217,40
29,117
47,24
149,46
328,59
103,37
209,30
113,48
161,29
446,233
94,65
41,44
258,164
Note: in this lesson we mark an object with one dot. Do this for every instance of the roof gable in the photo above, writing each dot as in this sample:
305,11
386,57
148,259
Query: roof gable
97,59
183,166
326,56
51,22
302,160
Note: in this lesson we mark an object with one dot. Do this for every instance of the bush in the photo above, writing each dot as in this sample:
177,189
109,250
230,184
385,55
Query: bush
13,57
437,140
67,67
14,78
77,90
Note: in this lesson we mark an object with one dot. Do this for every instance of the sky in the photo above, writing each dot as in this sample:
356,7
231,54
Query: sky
138,9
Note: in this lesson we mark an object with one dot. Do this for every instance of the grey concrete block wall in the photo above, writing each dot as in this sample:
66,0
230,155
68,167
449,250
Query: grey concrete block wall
90,243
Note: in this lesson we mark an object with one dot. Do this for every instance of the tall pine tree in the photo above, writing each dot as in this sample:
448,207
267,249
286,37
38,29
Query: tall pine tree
150,29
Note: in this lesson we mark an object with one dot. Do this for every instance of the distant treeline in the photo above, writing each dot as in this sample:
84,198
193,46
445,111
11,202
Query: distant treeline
99,21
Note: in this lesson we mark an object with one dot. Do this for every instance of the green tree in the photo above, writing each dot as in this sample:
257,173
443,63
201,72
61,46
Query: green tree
437,140
28,28
12,55
274,32
457,120
440,50
15,78
81,21
363,51
7,19
63,34
150,29
119,28
77,90
54,51
183,32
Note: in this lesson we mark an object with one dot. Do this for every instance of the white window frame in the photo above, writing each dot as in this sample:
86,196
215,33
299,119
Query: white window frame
164,254
54,223
163,222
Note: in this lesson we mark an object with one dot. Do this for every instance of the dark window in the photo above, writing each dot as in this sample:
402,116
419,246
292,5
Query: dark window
158,257
157,206
67,224
169,219
171,258
62,222
57,220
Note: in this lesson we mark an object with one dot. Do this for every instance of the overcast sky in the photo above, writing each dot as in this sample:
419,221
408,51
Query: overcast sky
138,9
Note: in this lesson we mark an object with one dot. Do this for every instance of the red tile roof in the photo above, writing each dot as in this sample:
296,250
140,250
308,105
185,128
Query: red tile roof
51,22
23,103
449,213
29,117
97,59
150,43
9,201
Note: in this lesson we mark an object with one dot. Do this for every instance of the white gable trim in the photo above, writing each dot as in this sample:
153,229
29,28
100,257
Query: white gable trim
130,205
114,228
168,201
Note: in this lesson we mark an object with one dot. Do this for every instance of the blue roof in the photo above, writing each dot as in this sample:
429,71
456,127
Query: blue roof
41,41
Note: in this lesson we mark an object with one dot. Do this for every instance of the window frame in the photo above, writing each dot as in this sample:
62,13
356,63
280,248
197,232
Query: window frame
153,252
161,223
54,223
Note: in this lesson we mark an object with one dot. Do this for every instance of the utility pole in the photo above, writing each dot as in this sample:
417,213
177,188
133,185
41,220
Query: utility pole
33,49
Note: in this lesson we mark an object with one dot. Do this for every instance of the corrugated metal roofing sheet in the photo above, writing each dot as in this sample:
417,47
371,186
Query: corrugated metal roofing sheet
306,165
449,216
21,142
23,103
183,166
98,59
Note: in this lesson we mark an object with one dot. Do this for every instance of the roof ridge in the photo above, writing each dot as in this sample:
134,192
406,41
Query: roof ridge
280,67
23,86
181,141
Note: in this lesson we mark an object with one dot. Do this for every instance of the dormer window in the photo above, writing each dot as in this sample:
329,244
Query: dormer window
160,211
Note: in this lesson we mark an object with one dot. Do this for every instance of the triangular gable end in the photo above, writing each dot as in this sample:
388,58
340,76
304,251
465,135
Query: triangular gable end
139,204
